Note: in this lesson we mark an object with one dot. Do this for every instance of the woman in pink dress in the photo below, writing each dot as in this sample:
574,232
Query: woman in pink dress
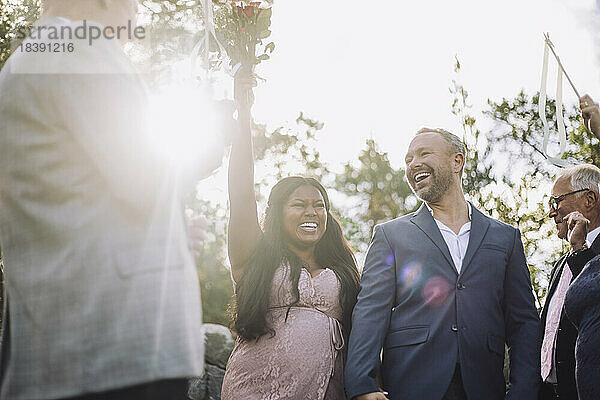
296,283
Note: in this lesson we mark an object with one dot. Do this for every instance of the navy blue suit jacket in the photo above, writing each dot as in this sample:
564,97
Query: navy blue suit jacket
426,317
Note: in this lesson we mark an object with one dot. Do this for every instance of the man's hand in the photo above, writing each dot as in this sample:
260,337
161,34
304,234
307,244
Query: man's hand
577,229
372,396
591,114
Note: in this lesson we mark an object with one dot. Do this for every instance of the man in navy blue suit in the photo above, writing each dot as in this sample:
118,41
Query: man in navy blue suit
443,290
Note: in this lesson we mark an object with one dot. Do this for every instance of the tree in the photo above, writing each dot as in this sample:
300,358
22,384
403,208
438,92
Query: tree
15,16
290,150
507,173
476,174
211,261
379,193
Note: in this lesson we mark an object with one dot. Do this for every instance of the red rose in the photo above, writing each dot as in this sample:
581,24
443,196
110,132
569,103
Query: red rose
249,11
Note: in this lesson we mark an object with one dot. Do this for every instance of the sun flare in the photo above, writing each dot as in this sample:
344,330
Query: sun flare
183,123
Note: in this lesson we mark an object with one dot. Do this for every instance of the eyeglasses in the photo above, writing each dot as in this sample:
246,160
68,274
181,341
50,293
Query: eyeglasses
555,200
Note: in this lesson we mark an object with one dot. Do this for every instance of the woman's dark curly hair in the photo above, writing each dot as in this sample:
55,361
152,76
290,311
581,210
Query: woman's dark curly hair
249,311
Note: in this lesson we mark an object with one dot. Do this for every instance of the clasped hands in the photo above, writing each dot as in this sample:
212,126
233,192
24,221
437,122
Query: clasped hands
372,396
577,229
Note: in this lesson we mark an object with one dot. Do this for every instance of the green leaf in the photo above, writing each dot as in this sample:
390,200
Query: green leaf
264,34
266,13
263,57
264,19
270,47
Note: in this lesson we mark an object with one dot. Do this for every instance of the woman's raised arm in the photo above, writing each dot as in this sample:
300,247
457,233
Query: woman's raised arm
244,231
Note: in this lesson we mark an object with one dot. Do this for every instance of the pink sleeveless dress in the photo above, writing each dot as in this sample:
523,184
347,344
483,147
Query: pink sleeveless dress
303,361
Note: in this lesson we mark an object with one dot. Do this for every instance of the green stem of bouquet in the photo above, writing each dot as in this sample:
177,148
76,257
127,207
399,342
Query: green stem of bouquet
250,64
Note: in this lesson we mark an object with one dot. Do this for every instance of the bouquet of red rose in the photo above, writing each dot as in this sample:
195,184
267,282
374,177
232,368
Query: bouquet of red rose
242,28
234,38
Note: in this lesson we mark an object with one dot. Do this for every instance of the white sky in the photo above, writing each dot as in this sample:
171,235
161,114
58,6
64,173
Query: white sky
383,68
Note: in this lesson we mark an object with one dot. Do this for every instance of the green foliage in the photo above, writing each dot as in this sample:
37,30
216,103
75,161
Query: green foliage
289,150
508,175
476,174
495,192
381,191
172,28
520,136
213,268
15,16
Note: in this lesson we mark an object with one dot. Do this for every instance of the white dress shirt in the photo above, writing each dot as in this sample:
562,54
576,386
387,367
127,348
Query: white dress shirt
457,243
591,236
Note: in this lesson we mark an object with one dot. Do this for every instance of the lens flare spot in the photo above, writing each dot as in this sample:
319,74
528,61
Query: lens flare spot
411,274
183,125
436,291
389,260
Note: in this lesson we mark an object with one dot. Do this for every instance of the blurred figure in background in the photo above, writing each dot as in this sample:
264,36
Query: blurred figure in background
103,293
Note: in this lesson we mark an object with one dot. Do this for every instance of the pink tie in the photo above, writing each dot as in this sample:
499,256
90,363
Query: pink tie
553,320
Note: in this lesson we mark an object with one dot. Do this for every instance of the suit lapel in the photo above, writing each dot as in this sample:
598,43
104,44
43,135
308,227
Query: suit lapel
479,226
424,221
556,276
557,272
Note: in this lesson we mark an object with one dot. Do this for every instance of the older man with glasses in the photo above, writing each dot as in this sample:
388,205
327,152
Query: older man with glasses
575,209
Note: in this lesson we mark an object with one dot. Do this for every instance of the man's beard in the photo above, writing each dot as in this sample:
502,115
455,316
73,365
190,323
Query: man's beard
441,180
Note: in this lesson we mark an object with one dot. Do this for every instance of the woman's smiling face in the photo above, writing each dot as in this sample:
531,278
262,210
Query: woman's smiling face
304,217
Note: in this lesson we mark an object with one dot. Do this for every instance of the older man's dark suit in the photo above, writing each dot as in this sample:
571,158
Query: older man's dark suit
567,334
427,317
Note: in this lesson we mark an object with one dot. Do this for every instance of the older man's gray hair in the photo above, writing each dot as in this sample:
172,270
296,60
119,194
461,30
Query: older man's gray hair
584,176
